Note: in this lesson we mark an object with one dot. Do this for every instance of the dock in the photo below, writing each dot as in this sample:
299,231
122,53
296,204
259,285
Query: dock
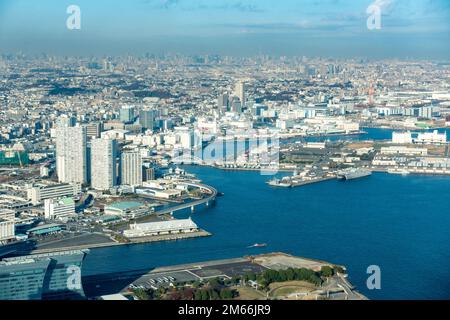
306,182
171,237
298,183
113,243
412,171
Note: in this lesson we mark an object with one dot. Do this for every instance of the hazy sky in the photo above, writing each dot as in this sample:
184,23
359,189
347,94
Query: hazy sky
409,28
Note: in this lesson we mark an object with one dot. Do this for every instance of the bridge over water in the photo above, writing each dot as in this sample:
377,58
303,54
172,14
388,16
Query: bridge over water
212,194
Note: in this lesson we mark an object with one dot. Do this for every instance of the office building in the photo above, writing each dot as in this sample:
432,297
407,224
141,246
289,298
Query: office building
103,164
432,137
59,209
94,130
149,174
38,193
236,105
7,226
222,102
71,154
426,112
131,168
185,137
402,137
126,114
147,118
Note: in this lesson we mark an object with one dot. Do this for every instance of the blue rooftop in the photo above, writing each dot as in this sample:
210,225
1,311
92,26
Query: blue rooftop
124,205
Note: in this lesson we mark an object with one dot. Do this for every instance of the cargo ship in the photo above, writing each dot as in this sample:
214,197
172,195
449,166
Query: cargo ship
353,173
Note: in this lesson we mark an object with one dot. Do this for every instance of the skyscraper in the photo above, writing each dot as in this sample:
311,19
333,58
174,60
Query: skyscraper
71,154
236,105
103,164
131,168
126,114
147,118
240,92
222,102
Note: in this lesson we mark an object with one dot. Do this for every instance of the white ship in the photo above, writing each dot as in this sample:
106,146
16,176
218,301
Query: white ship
403,172
353,173
284,183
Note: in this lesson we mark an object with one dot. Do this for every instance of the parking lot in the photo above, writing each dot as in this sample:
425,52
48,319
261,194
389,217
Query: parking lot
165,279
186,273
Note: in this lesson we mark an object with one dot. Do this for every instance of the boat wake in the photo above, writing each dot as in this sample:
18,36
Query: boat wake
258,245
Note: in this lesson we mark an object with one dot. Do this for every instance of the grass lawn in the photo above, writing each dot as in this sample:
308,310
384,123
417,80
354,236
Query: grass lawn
281,289
246,293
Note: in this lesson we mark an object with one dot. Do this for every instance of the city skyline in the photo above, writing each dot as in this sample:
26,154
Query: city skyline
239,28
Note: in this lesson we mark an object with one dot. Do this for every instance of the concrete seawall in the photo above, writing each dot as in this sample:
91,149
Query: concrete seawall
168,237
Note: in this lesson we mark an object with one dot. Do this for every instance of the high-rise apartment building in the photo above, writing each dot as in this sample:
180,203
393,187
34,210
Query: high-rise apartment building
131,168
103,164
71,154
240,92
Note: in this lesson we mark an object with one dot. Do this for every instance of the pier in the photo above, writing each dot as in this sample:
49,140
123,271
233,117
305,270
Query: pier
413,170
306,182
298,181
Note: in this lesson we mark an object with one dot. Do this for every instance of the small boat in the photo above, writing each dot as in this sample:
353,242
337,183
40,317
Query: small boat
399,171
258,245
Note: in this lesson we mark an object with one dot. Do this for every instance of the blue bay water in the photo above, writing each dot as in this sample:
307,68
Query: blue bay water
401,224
